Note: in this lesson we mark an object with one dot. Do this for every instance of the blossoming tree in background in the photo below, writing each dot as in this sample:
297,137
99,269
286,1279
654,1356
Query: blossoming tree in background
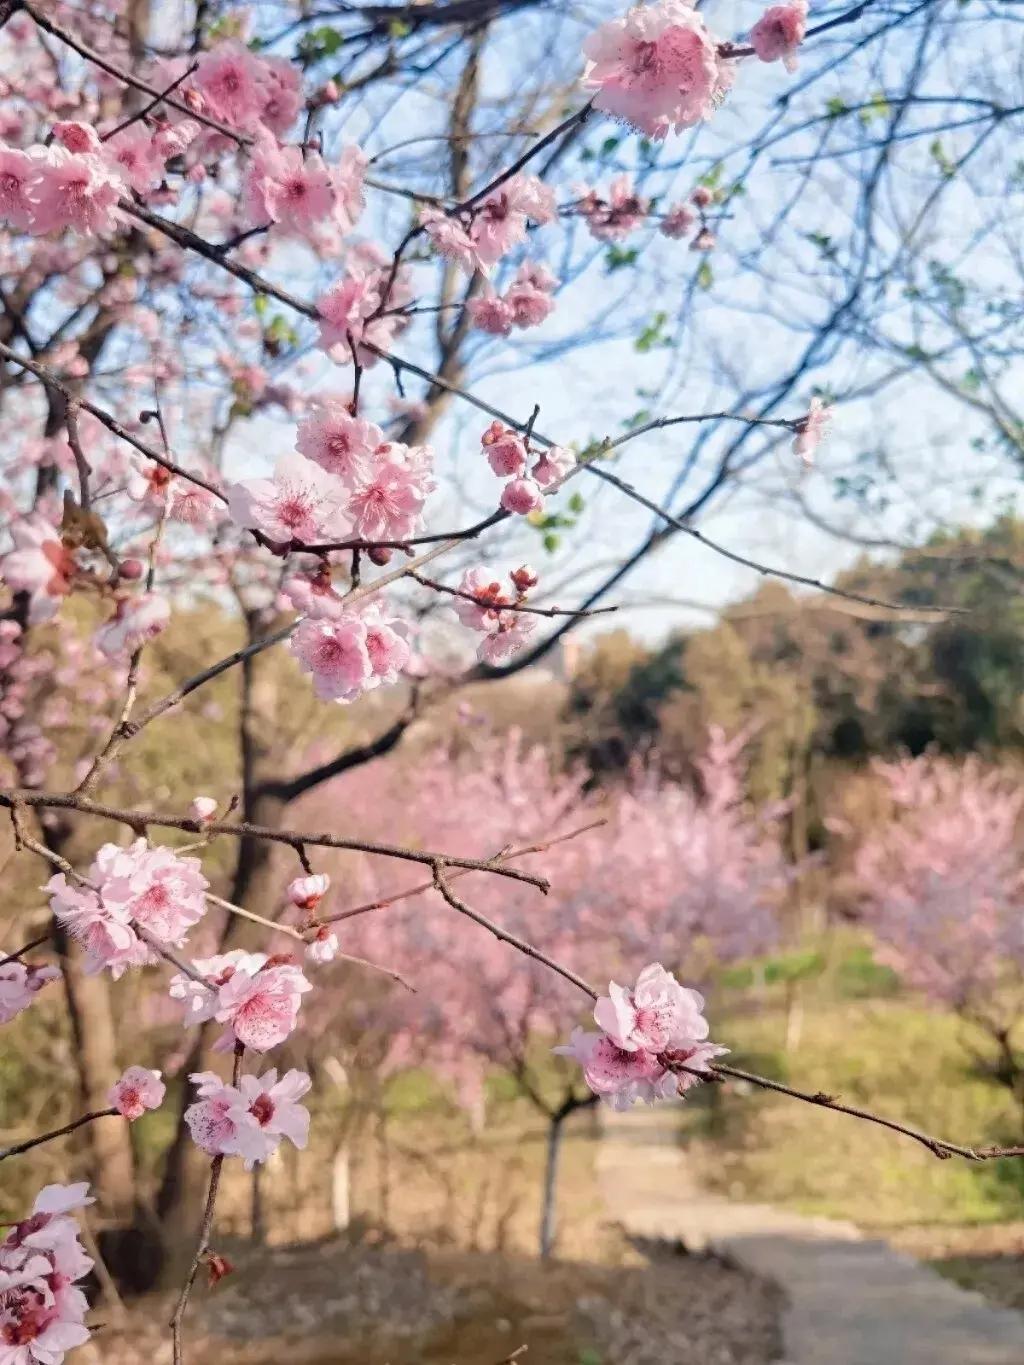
194,238
941,882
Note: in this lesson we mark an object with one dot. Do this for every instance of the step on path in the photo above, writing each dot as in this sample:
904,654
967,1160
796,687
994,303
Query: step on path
850,1300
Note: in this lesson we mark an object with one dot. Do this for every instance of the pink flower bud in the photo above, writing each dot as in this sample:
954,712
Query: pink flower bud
525,577
379,555
324,947
521,496
702,196
132,569
203,808
308,892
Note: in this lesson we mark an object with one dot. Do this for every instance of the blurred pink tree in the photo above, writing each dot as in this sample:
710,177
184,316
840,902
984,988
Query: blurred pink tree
691,876
942,887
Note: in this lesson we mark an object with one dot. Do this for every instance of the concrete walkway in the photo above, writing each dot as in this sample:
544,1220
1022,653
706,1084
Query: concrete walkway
850,1301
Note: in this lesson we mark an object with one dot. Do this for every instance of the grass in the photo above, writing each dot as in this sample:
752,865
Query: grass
870,1045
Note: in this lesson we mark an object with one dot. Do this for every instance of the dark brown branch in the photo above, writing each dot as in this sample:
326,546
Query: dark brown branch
938,1147
25,948
29,1143
138,819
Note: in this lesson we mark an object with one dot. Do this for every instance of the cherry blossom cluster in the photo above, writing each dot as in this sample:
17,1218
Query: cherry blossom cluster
364,308
256,997
142,885
612,214
477,237
486,606
659,68
525,303
42,1310
645,1033
348,650
20,983
343,479
509,456
250,1119
46,568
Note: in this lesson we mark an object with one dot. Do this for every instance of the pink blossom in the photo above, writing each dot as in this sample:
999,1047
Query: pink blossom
490,313
308,892
554,464
386,644
336,654
104,931
521,496
347,177
19,985
323,947
192,505
615,216
249,1121
256,996
42,1312
281,85
505,450
449,238
202,808
779,33
40,565
619,1076
338,442
499,223
677,221
352,312
137,1090
77,137
514,631
386,503
656,68
525,577
18,173
528,304
812,430
75,192
299,503
134,155
657,1014
162,890
135,620
485,611
284,187
261,1010
704,240
228,78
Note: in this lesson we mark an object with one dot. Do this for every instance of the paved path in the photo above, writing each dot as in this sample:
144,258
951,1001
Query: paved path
850,1301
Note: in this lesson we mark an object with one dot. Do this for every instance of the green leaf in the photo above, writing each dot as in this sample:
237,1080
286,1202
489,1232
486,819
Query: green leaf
260,304
398,28
576,503
836,107
652,335
877,107
616,257
705,275
609,145
713,178
551,542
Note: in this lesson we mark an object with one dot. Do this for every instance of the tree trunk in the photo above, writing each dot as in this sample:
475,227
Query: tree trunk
112,1162
549,1203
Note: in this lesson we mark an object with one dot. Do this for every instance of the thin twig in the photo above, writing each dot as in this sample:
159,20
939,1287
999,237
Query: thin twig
504,934
203,1244
26,948
29,1143
148,108
505,606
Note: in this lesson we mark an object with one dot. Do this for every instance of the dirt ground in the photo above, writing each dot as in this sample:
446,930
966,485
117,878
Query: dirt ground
333,1303
988,1258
